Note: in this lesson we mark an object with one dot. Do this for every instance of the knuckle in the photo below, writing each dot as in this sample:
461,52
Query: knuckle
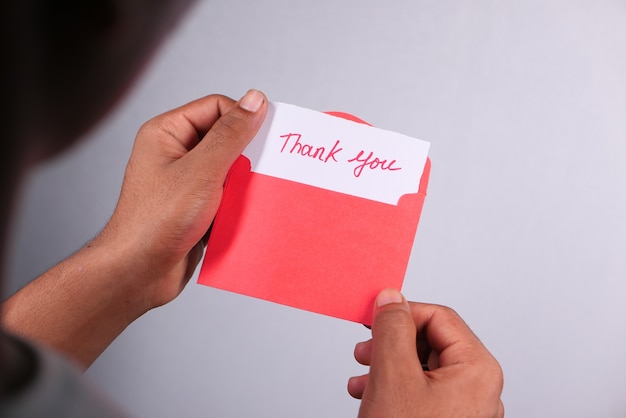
161,123
447,311
220,97
231,125
228,128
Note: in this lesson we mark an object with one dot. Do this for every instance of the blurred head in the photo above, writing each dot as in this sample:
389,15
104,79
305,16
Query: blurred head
67,62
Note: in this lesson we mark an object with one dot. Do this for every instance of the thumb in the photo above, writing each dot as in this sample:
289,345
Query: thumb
230,134
394,351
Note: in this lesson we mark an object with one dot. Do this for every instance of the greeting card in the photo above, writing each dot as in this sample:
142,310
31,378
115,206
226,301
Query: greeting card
319,213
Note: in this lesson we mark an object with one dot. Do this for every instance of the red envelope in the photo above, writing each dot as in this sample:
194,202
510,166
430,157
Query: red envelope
308,247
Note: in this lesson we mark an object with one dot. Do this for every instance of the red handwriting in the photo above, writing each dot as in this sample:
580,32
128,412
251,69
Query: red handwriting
294,145
308,150
371,163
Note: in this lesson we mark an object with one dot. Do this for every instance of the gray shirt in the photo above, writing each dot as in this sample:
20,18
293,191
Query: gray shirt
57,389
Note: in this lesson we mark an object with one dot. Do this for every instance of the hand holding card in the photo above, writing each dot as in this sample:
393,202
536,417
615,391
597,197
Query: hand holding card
319,213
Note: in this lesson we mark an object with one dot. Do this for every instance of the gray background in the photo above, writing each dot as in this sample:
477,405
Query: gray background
523,231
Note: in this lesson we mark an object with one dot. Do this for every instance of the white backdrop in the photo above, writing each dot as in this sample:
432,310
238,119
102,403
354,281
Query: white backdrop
523,231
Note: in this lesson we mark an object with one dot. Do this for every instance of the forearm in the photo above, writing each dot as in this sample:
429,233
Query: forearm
149,249
79,306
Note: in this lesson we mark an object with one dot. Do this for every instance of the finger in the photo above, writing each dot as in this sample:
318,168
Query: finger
394,351
356,385
424,350
187,124
229,135
447,334
432,361
363,352
500,410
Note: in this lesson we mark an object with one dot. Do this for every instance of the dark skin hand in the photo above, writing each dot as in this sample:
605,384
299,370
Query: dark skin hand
149,249
462,378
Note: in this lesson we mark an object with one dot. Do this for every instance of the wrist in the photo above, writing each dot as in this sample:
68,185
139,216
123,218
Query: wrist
80,305
146,274
122,268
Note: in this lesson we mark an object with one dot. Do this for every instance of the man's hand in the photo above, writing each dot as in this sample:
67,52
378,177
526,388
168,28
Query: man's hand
173,187
424,362
149,249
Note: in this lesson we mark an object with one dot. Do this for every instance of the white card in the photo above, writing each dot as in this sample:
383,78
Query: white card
336,154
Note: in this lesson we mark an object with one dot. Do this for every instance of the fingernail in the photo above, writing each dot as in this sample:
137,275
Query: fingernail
252,101
388,296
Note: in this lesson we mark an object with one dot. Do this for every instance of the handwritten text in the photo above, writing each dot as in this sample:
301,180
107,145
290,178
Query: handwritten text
293,144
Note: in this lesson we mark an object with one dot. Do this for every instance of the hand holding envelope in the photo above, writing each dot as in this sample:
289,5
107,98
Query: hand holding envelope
319,213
